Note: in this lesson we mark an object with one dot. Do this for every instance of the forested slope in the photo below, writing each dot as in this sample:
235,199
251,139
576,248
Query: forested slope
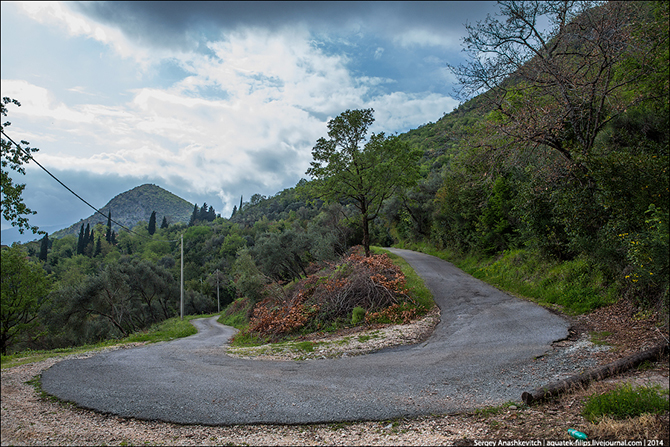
553,174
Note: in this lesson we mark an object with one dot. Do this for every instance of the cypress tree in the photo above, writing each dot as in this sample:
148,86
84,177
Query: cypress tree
194,216
234,211
165,223
91,239
44,247
152,223
108,236
240,208
80,241
202,215
211,214
98,247
87,236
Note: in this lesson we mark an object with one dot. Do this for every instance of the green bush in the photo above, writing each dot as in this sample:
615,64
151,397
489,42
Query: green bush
626,401
357,315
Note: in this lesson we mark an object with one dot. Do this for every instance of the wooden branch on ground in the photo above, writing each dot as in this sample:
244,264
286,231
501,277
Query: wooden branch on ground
556,388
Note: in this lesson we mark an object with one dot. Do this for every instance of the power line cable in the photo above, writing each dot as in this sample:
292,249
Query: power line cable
75,194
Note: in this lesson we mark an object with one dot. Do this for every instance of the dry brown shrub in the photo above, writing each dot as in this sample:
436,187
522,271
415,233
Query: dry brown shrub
373,283
646,426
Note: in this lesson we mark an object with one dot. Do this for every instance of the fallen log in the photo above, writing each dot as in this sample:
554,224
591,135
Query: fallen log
556,388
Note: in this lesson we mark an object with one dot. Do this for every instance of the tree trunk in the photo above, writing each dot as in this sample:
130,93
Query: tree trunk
556,388
366,235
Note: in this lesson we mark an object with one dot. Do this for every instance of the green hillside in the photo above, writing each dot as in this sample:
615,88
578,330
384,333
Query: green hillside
131,207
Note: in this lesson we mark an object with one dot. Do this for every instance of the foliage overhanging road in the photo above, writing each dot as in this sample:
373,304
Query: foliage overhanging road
475,357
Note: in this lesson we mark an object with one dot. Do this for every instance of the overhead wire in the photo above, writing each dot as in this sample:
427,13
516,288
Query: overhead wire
74,193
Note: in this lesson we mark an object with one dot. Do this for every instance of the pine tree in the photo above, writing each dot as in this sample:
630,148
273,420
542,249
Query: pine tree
165,223
44,247
108,236
152,224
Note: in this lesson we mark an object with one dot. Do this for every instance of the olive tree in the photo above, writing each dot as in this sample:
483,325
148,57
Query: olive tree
24,287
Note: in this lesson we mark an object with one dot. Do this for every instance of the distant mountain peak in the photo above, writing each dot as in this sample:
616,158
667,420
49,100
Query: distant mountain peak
136,205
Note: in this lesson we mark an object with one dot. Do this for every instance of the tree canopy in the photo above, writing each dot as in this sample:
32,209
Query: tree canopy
349,166
24,288
14,210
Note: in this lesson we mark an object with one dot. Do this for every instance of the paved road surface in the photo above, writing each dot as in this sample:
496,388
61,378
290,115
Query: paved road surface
479,354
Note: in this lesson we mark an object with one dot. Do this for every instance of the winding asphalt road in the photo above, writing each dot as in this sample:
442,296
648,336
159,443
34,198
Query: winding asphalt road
473,358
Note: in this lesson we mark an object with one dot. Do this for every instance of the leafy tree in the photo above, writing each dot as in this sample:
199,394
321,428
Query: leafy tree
231,244
24,287
367,172
106,295
152,223
14,209
249,281
283,256
154,289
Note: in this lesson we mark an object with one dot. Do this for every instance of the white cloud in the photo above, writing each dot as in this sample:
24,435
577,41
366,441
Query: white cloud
427,38
76,24
405,111
272,95
38,102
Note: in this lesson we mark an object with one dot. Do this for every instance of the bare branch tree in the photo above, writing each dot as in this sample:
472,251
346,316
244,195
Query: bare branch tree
551,72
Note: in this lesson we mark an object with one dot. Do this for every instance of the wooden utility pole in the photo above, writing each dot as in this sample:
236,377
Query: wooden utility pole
218,302
181,302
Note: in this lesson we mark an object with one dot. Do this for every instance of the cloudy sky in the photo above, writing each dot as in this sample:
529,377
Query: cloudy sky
214,100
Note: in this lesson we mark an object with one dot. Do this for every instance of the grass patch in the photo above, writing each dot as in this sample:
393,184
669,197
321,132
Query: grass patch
576,286
626,401
164,331
247,339
598,338
236,314
306,346
417,288
367,337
